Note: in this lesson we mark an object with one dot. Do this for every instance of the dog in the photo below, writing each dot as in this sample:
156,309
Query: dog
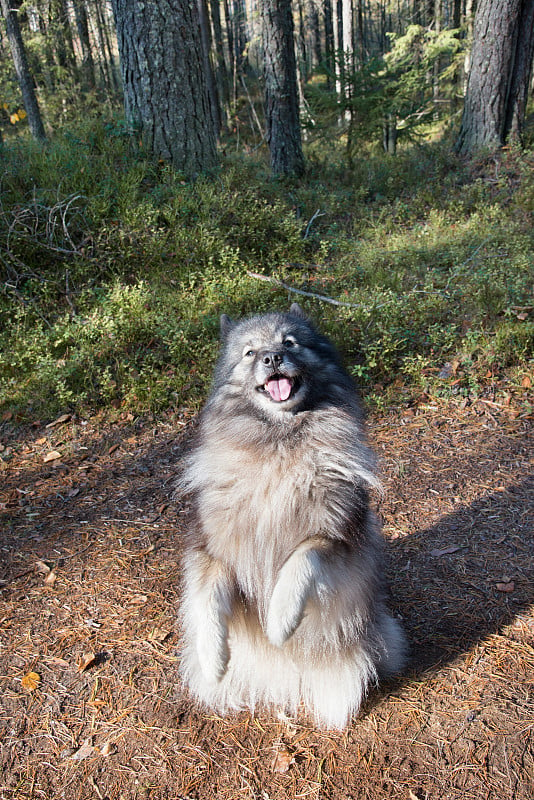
284,601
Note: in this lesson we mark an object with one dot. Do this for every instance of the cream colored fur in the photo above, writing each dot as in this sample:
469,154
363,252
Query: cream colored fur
283,603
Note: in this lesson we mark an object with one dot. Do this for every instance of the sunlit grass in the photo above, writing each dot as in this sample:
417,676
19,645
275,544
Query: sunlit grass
116,270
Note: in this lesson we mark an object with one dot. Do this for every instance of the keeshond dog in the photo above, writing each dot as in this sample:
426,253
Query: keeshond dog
284,601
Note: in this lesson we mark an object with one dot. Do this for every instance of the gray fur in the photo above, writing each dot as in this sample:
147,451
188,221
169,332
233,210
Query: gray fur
283,599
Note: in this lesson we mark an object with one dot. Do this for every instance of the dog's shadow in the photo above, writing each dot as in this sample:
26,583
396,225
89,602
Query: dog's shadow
464,578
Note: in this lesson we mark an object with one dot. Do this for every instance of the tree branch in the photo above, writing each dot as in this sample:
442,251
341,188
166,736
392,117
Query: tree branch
321,297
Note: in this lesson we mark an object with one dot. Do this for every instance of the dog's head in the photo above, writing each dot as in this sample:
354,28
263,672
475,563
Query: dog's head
277,362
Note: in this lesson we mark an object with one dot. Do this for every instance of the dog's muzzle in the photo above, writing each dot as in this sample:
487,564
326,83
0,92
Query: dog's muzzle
278,384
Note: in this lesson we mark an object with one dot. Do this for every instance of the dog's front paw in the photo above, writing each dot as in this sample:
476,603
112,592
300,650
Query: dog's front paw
213,655
285,611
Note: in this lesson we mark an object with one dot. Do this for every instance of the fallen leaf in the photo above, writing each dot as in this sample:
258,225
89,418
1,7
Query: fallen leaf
158,635
449,369
453,548
505,586
31,681
43,568
113,448
86,661
138,600
282,761
50,578
526,383
107,749
42,440
59,662
85,751
52,456
290,731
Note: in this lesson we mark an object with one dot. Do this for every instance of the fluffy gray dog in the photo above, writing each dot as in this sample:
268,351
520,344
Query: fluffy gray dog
283,600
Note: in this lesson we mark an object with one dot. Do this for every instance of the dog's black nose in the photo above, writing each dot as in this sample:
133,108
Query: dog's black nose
272,359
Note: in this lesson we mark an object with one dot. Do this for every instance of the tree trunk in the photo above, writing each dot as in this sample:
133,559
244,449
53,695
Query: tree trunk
221,68
520,82
239,18
500,66
205,36
88,66
165,90
22,69
281,95
302,50
437,65
329,43
231,46
62,35
315,26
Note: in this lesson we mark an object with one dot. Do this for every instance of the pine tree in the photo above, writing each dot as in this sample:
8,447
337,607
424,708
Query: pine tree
499,74
281,93
165,89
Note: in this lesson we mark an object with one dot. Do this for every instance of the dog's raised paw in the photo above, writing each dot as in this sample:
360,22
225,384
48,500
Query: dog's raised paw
285,613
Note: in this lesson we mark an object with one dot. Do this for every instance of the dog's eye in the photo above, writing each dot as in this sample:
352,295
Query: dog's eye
289,343
249,353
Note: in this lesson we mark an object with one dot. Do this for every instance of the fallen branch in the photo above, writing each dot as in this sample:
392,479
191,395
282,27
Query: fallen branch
318,213
302,291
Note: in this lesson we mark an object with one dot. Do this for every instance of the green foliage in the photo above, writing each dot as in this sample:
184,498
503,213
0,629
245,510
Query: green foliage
115,270
412,87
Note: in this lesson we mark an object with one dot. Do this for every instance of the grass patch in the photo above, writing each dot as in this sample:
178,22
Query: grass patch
115,270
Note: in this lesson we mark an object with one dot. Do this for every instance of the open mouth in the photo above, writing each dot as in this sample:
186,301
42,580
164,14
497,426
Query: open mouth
279,387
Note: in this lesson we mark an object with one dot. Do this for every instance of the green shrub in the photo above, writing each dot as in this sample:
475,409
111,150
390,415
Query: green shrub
115,270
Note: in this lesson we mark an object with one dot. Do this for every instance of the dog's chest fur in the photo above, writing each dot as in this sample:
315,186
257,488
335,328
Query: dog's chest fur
258,510
260,503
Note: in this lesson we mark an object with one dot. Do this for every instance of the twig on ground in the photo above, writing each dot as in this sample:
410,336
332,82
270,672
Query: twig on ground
286,286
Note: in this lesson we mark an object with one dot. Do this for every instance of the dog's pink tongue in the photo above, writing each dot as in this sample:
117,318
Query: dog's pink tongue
279,388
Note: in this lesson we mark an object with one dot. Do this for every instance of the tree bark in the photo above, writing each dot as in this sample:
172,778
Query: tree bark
82,25
209,72
500,66
239,18
281,94
221,68
165,92
520,82
315,32
329,43
25,79
62,35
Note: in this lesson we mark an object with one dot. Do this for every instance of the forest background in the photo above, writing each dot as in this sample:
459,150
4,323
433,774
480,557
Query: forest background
163,161
350,157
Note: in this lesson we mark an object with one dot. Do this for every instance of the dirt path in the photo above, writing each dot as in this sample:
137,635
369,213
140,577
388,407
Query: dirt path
90,705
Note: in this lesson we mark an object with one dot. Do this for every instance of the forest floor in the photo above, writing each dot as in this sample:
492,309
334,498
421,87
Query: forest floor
90,701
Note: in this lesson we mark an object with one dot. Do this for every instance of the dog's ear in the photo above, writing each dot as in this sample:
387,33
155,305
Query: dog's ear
226,325
297,311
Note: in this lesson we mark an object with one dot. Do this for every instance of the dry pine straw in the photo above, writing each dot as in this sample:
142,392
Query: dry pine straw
90,704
